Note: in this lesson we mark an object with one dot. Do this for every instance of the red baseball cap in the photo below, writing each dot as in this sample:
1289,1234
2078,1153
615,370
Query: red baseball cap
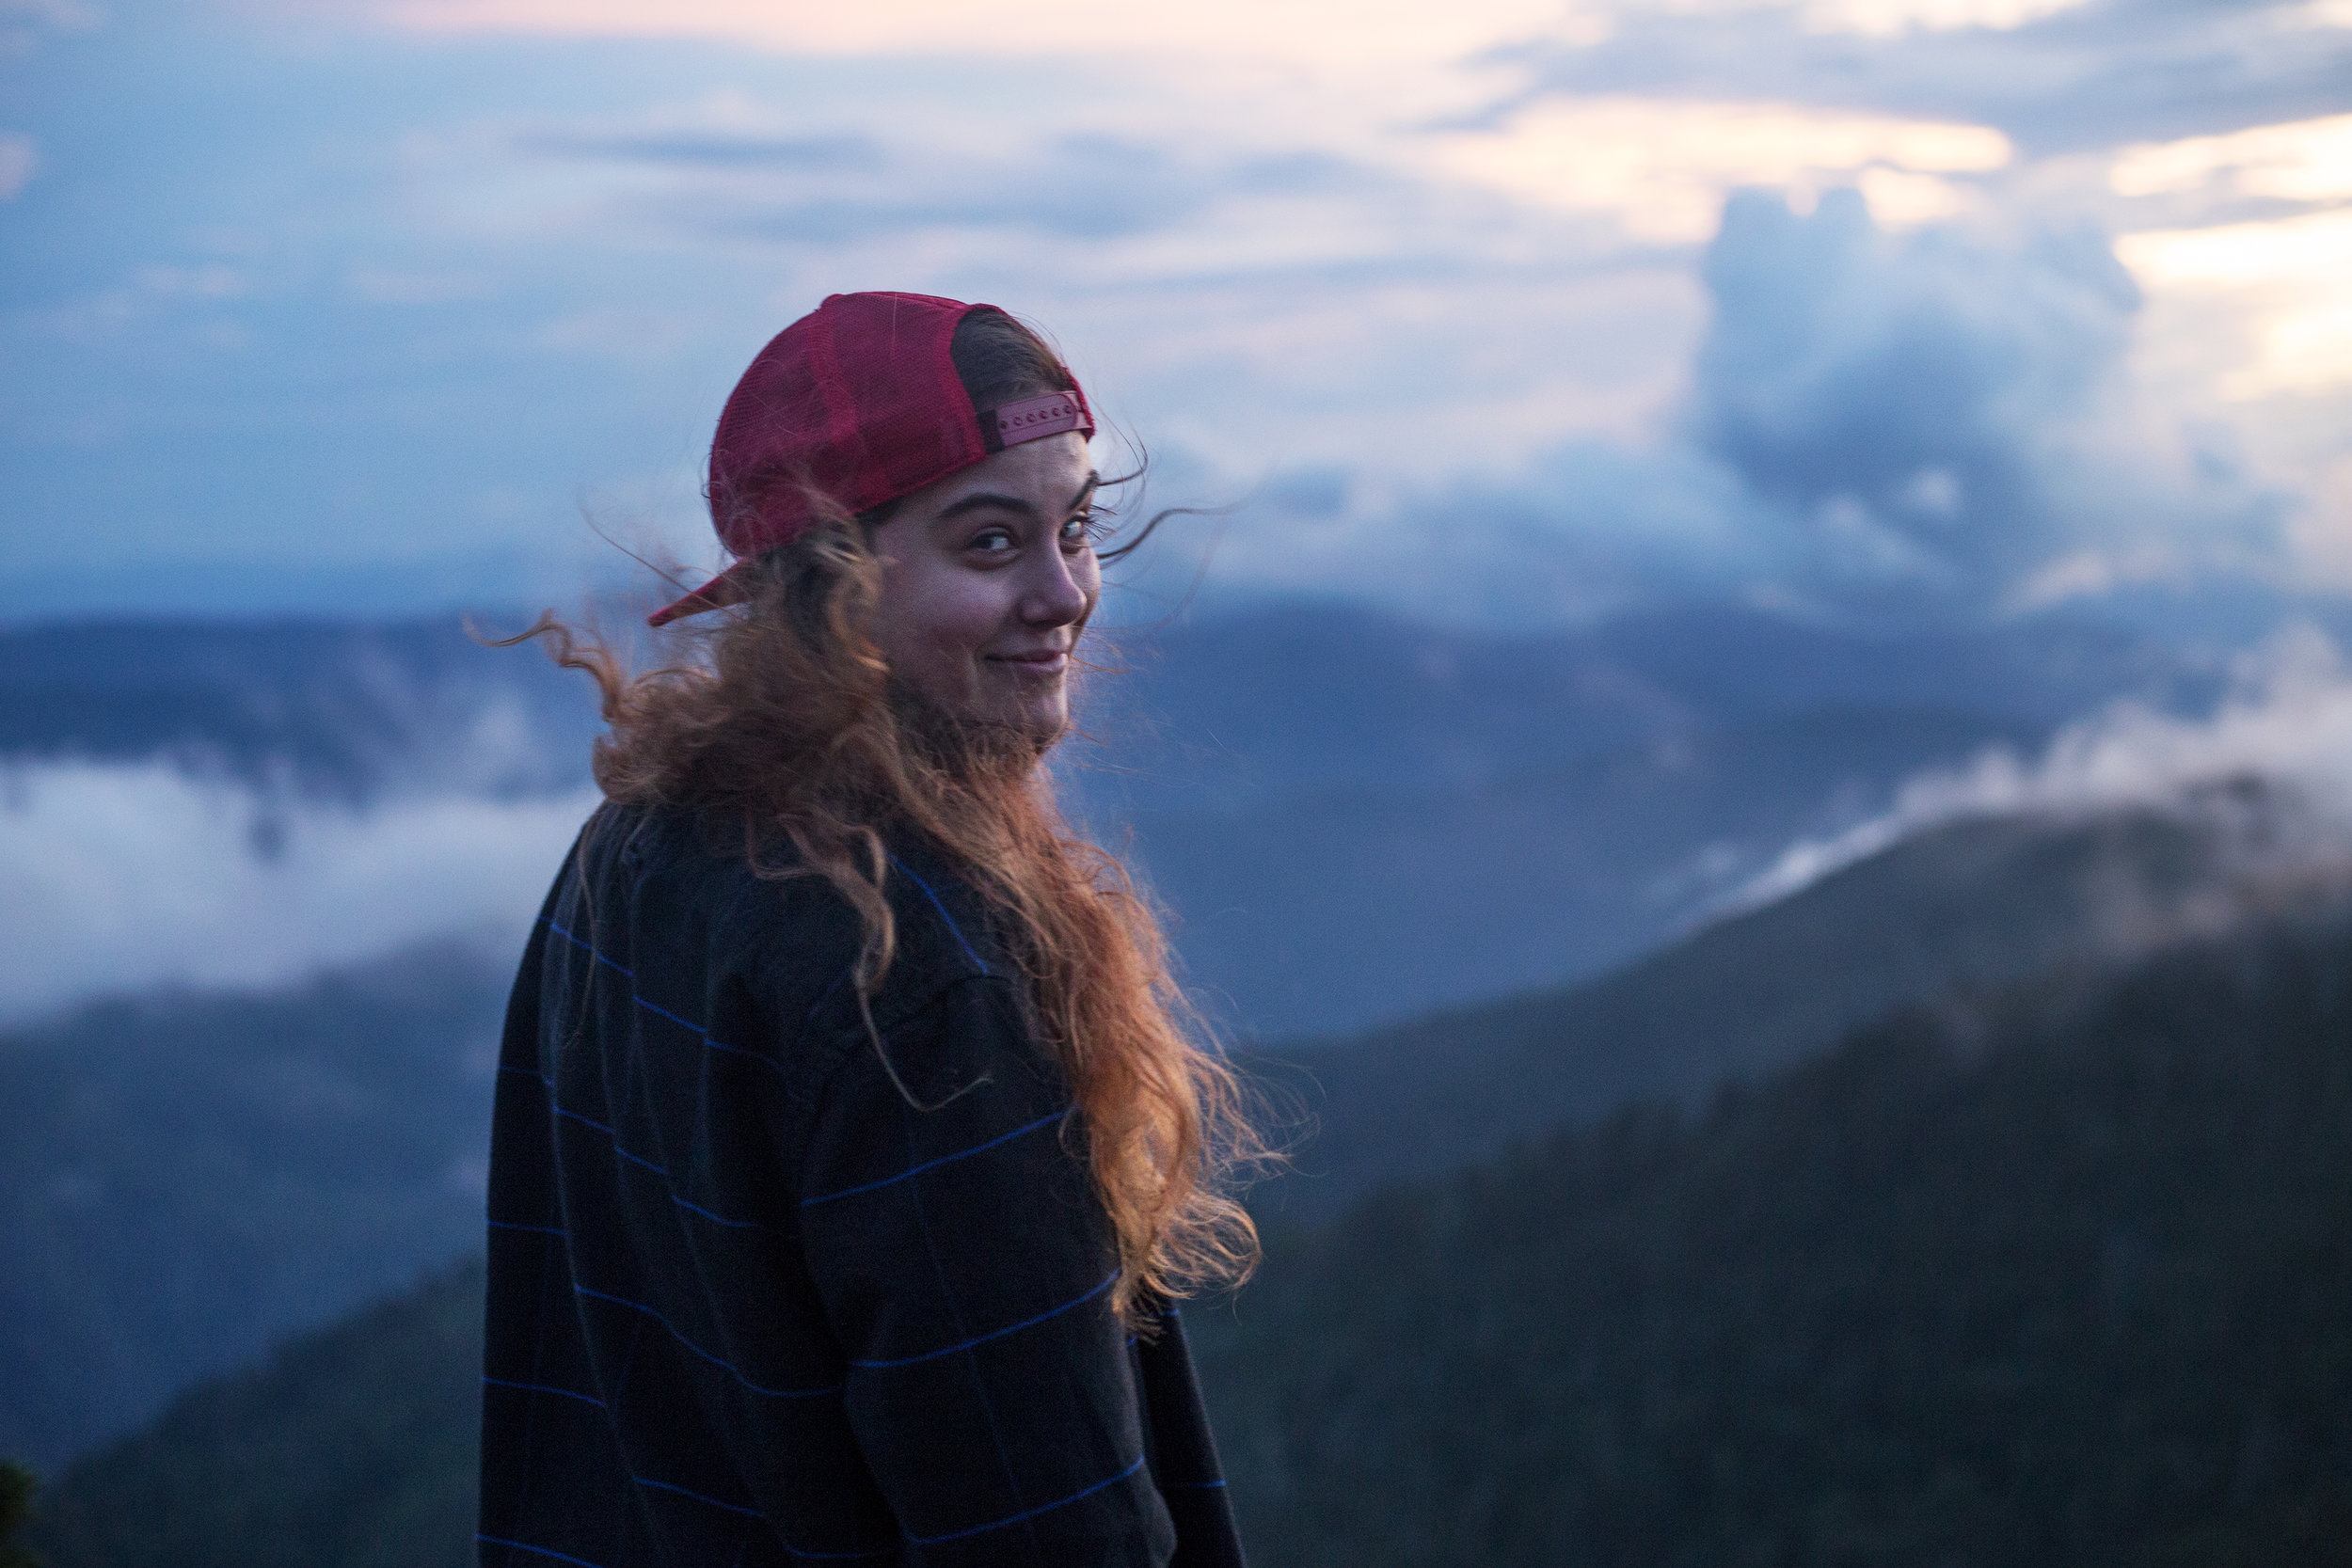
857,403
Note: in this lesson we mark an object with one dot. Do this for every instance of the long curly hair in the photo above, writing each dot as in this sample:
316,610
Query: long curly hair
787,719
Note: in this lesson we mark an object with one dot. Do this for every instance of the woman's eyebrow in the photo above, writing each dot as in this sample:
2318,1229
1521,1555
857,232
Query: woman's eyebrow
983,502
998,500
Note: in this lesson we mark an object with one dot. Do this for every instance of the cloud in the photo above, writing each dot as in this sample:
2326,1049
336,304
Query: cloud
1662,167
1892,18
126,877
731,164
1900,405
715,146
1330,35
1948,421
397,286
54,13
2088,76
17,163
1587,528
1077,187
2288,728
2284,277
1875,427
25,24
2306,161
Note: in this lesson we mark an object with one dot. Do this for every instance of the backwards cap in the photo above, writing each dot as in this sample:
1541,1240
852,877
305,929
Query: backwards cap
857,402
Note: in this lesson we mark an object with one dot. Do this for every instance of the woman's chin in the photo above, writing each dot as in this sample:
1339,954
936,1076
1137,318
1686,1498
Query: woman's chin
1011,728
1037,709
1043,721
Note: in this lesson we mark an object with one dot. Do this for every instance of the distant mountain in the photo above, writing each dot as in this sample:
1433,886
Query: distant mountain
1353,817
1972,905
2054,1279
1290,701
1357,818
1210,716
1336,910
187,1178
2059,1279
334,709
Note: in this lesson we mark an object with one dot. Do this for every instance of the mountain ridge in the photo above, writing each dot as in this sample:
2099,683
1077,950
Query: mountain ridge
1977,903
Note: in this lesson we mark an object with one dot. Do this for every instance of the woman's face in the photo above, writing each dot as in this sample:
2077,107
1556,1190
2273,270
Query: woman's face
988,577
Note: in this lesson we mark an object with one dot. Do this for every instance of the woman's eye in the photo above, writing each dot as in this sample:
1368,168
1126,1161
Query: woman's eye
1080,529
995,541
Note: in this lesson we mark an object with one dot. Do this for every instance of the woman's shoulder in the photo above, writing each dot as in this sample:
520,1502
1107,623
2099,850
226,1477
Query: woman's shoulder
761,908
697,895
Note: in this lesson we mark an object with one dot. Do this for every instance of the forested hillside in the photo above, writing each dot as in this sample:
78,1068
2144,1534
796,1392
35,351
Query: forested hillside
350,1447
2057,1278
189,1178
2051,1276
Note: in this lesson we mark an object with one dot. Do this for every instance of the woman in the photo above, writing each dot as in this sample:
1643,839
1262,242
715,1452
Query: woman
848,1150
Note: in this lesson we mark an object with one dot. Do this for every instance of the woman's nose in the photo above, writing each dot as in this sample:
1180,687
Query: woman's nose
1054,597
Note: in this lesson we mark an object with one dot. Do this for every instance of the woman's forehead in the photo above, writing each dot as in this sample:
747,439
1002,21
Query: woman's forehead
1049,474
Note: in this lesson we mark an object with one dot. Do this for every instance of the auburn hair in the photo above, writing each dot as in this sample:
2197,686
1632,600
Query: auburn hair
790,722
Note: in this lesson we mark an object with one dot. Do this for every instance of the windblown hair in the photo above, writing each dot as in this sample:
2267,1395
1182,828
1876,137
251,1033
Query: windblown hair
792,724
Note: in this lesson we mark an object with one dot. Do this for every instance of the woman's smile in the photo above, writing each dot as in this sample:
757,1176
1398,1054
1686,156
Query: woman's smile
1037,663
988,577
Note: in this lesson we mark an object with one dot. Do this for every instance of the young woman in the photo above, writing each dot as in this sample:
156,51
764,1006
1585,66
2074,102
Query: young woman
849,1149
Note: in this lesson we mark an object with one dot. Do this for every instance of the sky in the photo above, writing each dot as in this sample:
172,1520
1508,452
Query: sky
1497,311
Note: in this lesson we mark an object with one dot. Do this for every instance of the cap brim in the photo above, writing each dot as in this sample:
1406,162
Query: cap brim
727,588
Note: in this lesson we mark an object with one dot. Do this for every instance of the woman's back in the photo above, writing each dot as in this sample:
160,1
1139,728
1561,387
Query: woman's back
759,1294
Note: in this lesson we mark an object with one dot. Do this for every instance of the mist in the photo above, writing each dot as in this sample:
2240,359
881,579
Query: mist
127,878
2277,753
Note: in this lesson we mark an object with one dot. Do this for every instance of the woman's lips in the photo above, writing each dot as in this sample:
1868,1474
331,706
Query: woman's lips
1042,661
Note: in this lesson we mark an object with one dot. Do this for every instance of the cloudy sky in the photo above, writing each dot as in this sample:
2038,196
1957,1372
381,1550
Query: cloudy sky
1501,310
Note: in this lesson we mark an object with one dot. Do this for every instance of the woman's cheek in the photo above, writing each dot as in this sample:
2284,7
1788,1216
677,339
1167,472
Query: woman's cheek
963,631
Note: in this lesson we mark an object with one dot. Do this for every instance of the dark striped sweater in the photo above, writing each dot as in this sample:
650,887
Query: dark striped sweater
749,1304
